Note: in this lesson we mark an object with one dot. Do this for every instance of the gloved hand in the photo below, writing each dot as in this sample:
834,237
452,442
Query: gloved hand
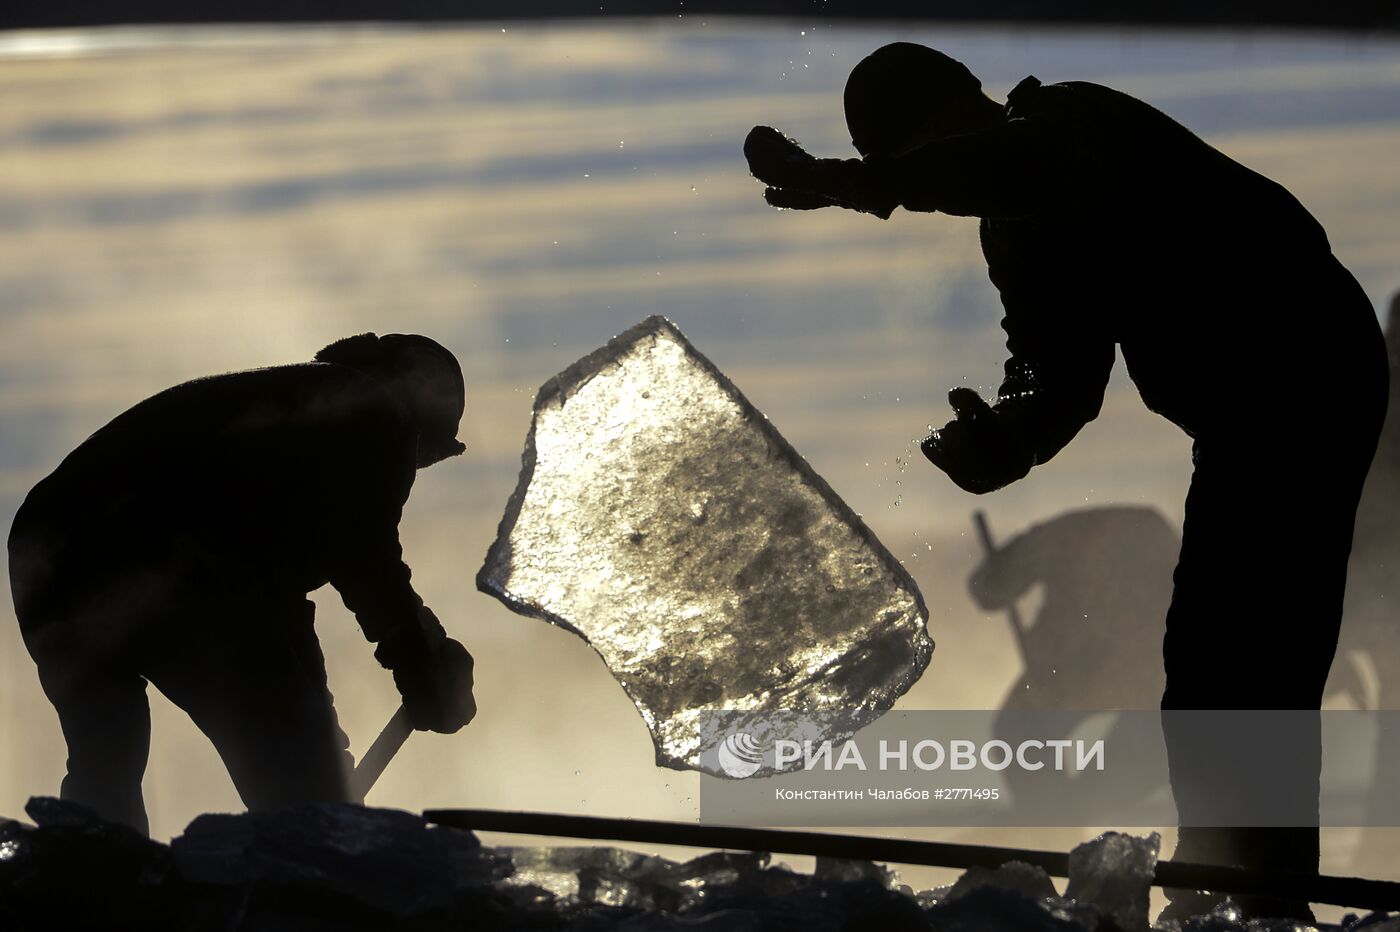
978,449
432,672
437,692
799,181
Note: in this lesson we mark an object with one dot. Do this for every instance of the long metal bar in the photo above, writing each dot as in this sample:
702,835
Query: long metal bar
1314,888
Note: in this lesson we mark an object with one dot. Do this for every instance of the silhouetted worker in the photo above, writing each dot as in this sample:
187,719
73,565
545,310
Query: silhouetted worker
1095,644
1105,222
177,544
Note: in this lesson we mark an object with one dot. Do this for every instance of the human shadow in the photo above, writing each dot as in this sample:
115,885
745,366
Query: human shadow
1093,647
1367,669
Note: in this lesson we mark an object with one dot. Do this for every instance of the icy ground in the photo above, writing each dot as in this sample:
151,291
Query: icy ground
351,868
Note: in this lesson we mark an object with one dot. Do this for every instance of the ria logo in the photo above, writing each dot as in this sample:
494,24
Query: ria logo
740,755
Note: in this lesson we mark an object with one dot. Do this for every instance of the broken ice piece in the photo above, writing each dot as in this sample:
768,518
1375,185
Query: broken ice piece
610,876
1013,876
662,518
1114,873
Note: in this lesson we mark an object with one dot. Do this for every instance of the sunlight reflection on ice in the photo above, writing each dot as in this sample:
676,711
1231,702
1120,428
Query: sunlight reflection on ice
661,517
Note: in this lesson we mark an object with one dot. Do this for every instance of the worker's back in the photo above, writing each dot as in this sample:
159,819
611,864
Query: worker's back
1206,273
253,478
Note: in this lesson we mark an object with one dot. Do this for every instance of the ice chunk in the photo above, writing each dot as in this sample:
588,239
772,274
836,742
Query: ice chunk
607,876
598,876
1375,922
72,870
1014,876
380,862
1114,873
661,517
1223,917
992,909
846,870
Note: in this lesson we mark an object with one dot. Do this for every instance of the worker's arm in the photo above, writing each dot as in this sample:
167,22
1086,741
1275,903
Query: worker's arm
1054,385
1009,170
799,181
432,671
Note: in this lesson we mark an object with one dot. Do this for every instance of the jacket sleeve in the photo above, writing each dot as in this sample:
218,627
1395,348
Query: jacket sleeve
1054,379
374,582
366,558
1009,170
1010,174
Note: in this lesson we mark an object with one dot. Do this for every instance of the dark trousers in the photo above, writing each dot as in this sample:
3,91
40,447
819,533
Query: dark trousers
248,671
1256,612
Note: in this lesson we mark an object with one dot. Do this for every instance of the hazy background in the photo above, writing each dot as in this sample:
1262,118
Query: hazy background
183,202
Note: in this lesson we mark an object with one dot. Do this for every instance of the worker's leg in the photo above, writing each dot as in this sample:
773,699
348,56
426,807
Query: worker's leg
251,675
86,672
1253,625
106,723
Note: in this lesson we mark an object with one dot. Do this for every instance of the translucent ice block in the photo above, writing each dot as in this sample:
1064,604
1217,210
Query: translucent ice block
662,518
1114,872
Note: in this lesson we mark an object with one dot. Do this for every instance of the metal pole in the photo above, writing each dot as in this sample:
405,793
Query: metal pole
1314,888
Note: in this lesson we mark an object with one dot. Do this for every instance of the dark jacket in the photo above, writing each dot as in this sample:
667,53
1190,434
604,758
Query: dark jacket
1106,222
257,485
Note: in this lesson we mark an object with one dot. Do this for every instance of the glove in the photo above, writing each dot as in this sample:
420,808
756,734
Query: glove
438,693
979,449
798,181
433,674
